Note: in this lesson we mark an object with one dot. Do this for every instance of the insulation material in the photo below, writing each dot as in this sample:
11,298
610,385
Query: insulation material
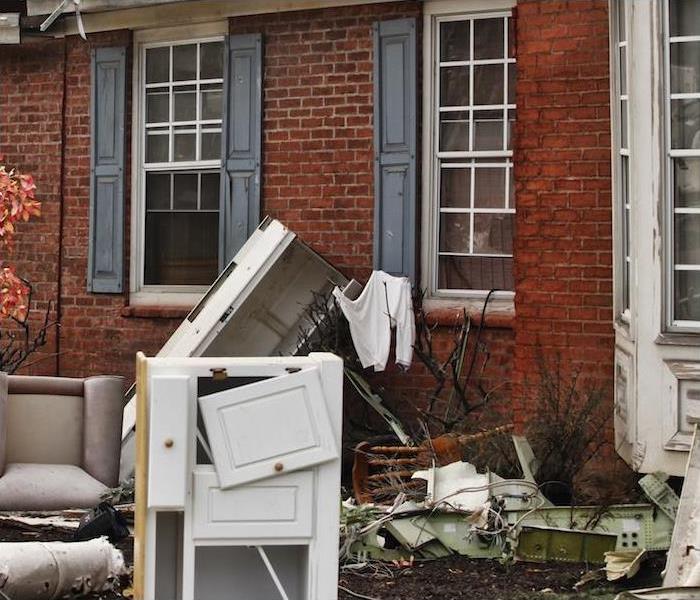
49,570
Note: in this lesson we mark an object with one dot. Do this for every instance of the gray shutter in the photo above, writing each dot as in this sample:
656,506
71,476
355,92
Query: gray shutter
395,147
106,242
241,143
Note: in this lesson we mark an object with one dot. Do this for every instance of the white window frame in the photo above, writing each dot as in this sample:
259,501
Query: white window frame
141,294
434,12
671,324
623,265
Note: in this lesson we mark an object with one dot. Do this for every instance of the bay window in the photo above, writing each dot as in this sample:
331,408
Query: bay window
683,148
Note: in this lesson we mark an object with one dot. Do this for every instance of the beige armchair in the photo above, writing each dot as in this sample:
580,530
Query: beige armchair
60,440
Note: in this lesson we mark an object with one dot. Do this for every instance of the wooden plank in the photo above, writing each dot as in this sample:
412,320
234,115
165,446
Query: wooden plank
141,476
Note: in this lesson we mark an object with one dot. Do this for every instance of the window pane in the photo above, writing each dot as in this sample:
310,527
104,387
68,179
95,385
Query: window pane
157,65
687,295
211,99
511,189
488,84
210,191
512,73
454,86
185,145
685,123
685,17
184,62
489,187
686,184
211,60
185,103
211,145
493,233
687,239
488,38
185,191
157,105
454,233
455,188
621,21
623,70
511,129
157,147
623,123
685,68
488,130
454,131
181,248
157,191
475,273
454,40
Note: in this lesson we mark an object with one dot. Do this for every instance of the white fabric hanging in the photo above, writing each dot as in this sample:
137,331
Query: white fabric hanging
384,303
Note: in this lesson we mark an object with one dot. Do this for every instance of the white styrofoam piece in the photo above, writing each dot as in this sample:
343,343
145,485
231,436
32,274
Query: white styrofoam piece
445,485
168,435
276,507
263,429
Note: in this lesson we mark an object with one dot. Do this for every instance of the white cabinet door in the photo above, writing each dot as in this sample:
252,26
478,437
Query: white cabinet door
167,453
269,428
276,507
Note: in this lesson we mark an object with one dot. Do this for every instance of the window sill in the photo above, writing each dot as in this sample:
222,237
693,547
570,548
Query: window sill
500,312
678,339
155,311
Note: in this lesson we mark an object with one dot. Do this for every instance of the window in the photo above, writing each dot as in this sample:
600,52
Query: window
180,159
683,144
473,202
623,217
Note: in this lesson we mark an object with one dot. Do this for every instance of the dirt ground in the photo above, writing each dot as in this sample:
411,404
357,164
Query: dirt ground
454,578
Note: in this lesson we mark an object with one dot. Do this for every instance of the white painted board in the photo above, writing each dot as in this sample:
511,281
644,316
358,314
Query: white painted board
267,428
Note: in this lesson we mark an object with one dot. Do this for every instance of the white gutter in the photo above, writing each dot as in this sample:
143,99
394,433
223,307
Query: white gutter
45,7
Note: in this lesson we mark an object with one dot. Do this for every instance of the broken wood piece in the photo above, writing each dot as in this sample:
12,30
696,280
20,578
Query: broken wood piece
51,570
385,463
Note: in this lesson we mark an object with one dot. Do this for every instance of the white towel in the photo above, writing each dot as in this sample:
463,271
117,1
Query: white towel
383,304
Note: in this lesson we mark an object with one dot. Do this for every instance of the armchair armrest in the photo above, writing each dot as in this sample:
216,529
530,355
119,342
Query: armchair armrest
102,427
3,420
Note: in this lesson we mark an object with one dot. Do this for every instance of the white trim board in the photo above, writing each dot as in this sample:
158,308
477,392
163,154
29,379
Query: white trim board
190,12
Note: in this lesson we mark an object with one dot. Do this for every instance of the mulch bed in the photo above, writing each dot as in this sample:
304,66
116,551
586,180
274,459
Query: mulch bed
453,578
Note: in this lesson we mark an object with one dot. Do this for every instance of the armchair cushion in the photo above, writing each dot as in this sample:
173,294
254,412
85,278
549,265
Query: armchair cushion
48,487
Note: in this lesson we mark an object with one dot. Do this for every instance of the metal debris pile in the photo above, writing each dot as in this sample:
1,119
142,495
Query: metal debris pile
455,509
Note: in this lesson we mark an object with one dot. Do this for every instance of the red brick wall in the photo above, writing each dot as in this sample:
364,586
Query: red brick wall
94,337
317,125
563,244
318,179
31,109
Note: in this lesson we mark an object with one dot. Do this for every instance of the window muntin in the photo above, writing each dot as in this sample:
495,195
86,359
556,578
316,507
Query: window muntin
621,49
475,204
181,122
683,110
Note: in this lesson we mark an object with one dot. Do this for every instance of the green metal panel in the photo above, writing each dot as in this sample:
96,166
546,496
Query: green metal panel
542,544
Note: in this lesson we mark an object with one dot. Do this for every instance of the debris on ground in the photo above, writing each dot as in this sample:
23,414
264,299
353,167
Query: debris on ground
460,510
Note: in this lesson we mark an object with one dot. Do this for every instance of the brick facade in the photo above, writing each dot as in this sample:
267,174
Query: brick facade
318,179
563,245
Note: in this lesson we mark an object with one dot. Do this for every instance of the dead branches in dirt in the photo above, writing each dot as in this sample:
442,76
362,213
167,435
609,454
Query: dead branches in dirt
465,390
22,340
